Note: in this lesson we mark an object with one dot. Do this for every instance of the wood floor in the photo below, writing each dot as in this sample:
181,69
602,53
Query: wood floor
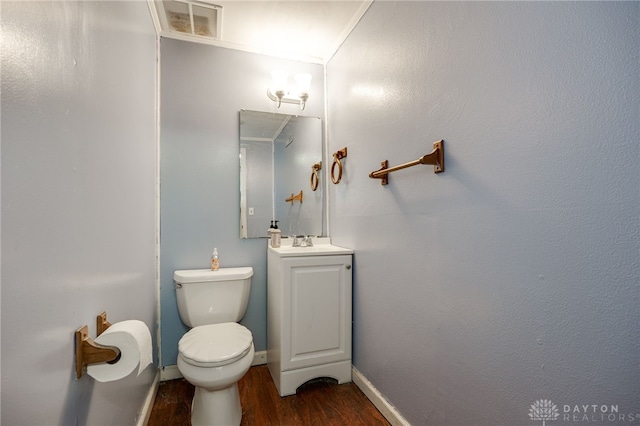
318,402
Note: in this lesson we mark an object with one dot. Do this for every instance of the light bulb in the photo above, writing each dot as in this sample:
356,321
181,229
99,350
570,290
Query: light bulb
280,78
304,83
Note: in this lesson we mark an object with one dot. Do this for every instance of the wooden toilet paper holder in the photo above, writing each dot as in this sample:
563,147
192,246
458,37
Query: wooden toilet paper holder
90,352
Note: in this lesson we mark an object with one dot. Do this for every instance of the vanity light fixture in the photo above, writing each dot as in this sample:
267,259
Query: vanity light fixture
280,93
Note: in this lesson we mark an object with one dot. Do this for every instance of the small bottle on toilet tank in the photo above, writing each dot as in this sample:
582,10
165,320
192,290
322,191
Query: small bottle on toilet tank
215,260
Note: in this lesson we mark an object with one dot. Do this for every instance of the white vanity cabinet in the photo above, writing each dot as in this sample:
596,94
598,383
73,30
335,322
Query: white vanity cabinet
308,315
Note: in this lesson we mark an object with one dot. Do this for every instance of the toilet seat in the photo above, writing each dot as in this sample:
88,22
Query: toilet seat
215,345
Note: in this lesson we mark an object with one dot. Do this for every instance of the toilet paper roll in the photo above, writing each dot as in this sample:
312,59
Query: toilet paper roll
133,339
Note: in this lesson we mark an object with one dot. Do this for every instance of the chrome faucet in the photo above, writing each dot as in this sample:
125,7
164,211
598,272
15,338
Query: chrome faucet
302,241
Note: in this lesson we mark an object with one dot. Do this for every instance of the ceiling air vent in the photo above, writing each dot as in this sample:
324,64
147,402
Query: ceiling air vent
193,18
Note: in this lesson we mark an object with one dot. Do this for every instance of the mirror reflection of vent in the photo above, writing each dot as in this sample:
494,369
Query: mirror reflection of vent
197,18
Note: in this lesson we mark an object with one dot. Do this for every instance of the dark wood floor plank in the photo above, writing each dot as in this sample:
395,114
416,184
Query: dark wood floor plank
319,402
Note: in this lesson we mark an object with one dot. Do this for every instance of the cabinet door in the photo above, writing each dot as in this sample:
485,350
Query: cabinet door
317,311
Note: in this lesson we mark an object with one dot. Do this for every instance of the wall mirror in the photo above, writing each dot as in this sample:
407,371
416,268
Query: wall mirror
277,157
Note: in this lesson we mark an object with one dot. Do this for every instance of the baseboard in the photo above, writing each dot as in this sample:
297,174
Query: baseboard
171,372
145,413
386,409
259,358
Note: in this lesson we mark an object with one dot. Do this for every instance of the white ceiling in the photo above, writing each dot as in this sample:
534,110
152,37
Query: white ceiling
305,30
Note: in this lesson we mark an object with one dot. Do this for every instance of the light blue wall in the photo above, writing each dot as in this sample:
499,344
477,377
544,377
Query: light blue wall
203,89
78,202
514,275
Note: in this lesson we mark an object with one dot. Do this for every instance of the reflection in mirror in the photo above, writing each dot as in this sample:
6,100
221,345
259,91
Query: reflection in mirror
277,154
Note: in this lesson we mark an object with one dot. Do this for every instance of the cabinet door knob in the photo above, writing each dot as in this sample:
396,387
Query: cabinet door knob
348,266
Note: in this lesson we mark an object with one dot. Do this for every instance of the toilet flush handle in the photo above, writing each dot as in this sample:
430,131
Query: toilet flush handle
178,285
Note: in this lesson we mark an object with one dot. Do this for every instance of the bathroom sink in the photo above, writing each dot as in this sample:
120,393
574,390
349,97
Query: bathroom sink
321,247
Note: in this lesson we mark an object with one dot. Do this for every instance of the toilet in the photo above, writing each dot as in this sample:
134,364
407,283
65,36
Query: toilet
217,351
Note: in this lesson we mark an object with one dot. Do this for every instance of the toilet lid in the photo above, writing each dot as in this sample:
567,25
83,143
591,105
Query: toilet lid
215,345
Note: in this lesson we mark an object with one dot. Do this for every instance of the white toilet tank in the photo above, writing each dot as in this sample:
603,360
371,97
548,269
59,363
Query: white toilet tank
212,297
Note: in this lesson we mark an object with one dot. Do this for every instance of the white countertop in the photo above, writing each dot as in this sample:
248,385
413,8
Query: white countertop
321,247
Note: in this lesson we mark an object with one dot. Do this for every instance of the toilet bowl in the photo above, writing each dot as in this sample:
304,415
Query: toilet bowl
213,358
217,352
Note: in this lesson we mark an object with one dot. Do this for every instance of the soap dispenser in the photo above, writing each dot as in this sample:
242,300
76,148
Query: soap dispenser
275,236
